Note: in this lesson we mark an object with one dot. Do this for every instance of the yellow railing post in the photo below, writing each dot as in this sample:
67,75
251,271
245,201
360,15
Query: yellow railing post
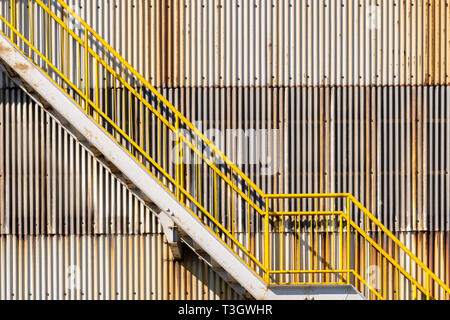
177,160
86,68
216,212
181,169
348,240
428,286
266,242
13,20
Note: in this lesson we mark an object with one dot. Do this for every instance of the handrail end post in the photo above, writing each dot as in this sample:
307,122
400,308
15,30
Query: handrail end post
266,243
348,239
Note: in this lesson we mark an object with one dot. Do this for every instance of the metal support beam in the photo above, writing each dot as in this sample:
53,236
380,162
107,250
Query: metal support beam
172,235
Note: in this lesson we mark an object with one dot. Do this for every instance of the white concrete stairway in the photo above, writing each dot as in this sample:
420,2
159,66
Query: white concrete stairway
180,225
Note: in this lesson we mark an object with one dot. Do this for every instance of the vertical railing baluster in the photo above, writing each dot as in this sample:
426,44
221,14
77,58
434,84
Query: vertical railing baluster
13,20
97,92
366,257
282,238
160,139
348,240
177,160
280,242
47,40
232,206
86,68
216,214
333,241
311,249
299,239
63,55
181,169
326,247
248,218
341,244
31,25
316,238
266,243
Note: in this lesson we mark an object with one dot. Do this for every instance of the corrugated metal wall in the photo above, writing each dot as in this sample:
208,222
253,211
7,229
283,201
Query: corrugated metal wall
362,106
286,43
60,208
259,43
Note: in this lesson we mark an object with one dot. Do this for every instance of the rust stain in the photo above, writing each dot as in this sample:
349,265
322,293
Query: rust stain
21,67
4,49
88,132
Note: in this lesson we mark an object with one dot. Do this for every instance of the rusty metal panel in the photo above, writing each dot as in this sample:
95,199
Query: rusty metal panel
259,43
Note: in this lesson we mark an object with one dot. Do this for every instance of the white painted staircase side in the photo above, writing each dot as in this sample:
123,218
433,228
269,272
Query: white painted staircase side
41,88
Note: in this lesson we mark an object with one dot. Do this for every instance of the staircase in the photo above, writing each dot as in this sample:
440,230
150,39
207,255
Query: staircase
266,246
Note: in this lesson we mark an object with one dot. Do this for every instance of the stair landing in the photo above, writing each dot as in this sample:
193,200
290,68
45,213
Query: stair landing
317,292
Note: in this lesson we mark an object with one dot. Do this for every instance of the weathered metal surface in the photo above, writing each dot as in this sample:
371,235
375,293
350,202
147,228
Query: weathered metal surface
149,187
389,138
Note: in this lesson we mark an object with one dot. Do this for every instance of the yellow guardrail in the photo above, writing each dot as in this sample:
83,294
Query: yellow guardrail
354,243
305,239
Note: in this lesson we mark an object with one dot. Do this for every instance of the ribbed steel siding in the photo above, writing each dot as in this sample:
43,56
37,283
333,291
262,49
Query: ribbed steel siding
386,143
110,267
207,43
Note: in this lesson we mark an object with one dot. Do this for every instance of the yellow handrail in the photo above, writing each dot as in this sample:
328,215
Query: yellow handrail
348,198
255,201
